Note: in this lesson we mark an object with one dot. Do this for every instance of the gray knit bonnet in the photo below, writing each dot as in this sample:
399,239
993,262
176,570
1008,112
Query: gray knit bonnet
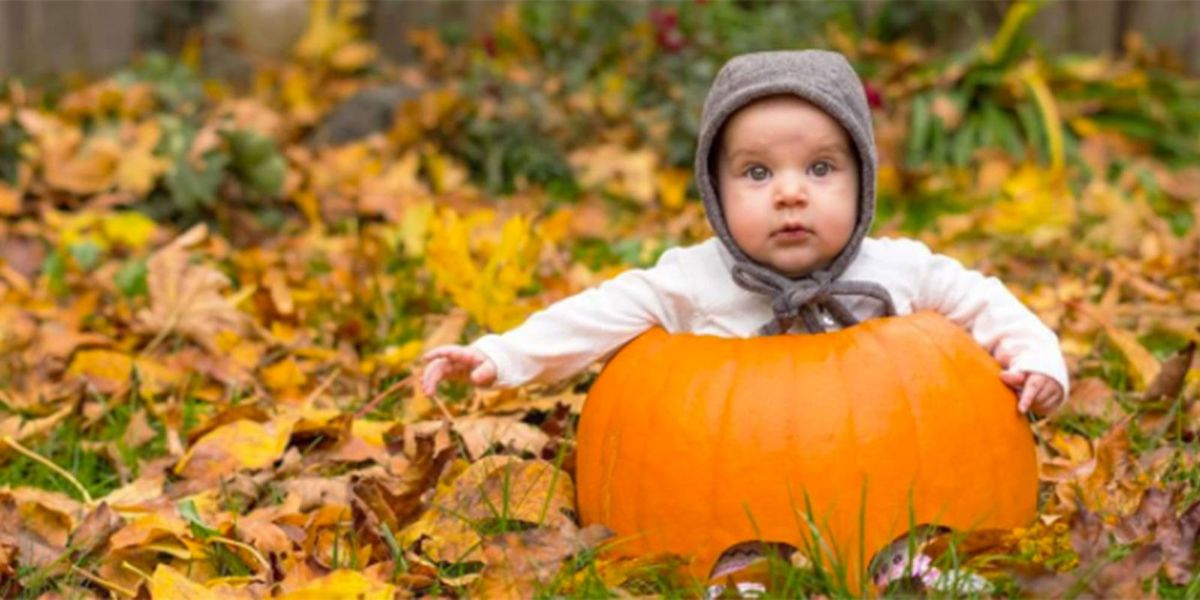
827,80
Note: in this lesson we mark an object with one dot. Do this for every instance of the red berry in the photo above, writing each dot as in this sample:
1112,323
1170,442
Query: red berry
874,96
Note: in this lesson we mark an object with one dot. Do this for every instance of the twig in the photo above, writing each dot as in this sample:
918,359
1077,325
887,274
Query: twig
116,587
369,406
320,388
15,445
259,557
140,573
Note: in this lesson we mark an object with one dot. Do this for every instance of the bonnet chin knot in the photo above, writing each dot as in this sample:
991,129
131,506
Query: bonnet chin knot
800,300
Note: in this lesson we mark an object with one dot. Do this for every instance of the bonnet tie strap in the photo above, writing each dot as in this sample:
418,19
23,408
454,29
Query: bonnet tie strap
802,299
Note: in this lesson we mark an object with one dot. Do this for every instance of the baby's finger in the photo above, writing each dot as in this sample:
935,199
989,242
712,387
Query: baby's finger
440,352
433,373
1028,396
1012,379
1048,400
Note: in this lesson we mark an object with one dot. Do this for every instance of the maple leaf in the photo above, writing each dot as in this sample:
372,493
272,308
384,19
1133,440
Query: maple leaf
139,168
489,291
186,298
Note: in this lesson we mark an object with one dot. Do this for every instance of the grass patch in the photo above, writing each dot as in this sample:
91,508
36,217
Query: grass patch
63,445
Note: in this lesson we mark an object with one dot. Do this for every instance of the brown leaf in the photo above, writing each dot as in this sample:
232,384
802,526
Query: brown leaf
529,491
1177,537
518,563
448,330
313,492
138,431
396,501
1155,505
1092,397
186,298
96,529
262,534
1123,579
1088,537
480,433
1169,382
30,547
971,544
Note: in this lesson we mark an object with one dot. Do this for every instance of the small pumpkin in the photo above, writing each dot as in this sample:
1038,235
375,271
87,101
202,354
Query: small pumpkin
691,443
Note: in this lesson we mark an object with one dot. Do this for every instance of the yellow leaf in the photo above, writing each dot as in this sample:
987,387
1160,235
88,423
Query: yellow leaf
1016,16
1144,367
77,227
148,528
397,356
242,352
343,584
353,56
242,444
617,170
414,227
1049,111
111,371
330,27
169,584
284,375
139,167
482,274
10,199
445,173
92,170
1036,203
395,190
672,187
129,228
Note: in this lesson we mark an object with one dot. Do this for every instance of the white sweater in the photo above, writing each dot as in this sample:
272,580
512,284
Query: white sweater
690,290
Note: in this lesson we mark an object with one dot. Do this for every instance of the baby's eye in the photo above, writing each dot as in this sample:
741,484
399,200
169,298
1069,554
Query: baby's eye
822,168
757,172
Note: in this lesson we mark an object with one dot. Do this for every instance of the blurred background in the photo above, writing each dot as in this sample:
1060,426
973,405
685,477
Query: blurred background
38,37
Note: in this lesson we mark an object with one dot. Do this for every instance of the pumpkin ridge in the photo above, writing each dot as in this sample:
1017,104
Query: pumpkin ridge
851,431
917,326
879,345
610,440
660,384
925,326
948,360
719,488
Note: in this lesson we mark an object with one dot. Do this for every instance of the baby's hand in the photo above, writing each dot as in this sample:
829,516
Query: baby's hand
454,362
1040,392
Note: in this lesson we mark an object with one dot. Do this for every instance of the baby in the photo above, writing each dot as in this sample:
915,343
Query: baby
785,164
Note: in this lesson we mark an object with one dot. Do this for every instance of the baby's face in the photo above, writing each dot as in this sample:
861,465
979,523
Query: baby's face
788,182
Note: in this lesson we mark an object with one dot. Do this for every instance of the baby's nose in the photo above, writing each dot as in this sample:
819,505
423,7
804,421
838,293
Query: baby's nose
790,190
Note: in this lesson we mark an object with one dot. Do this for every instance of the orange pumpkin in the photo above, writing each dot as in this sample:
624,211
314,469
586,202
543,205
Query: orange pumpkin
690,444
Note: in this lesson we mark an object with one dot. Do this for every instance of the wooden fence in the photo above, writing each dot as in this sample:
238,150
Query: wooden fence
47,36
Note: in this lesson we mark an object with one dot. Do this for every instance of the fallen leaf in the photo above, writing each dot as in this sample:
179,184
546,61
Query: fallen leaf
343,583
167,583
242,444
1167,384
111,372
519,564
186,298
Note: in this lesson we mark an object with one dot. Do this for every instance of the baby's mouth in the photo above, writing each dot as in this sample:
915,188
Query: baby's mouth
792,230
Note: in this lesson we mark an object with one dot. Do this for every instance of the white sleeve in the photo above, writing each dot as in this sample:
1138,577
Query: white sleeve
570,334
1011,332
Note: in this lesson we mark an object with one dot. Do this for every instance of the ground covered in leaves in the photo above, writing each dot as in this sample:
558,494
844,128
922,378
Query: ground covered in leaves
210,313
